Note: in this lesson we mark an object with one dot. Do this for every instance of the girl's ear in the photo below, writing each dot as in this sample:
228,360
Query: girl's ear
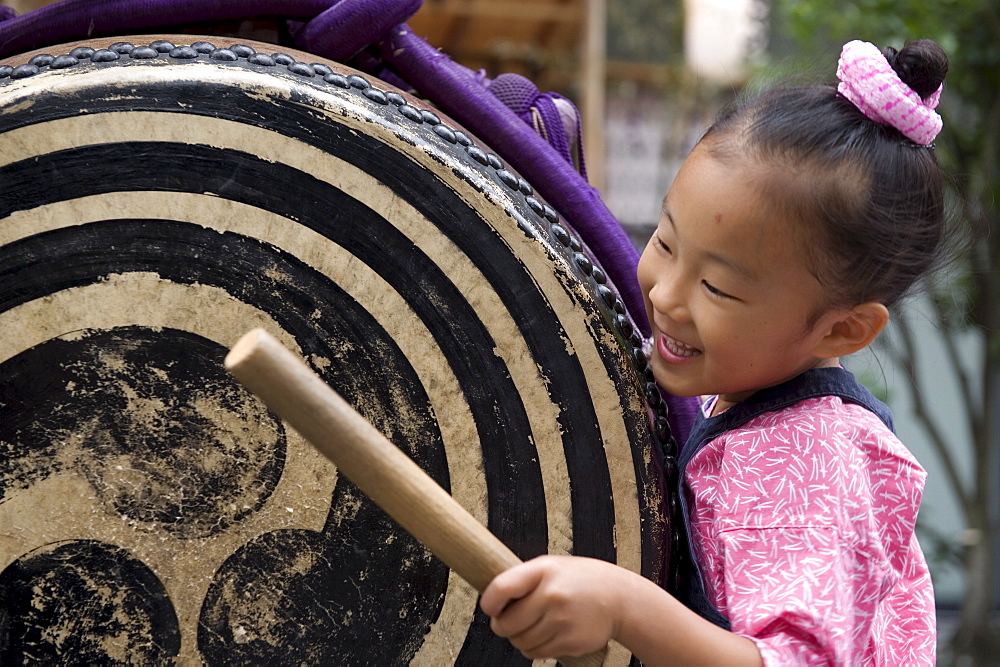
853,330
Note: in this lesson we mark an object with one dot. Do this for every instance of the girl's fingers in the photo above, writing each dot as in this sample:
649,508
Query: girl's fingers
532,641
553,605
512,584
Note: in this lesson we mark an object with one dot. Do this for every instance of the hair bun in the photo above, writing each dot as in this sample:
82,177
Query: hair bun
921,64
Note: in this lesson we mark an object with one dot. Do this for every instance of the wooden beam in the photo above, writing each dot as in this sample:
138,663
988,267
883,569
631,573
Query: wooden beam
656,74
593,89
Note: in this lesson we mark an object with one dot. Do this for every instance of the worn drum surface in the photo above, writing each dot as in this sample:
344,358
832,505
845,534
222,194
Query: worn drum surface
157,202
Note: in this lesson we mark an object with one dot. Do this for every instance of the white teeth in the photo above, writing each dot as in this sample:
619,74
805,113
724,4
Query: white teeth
679,348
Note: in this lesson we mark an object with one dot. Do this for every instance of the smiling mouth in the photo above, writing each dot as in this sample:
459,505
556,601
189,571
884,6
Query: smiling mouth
676,348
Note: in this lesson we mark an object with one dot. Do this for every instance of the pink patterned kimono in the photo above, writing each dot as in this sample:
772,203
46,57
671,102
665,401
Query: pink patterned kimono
802,521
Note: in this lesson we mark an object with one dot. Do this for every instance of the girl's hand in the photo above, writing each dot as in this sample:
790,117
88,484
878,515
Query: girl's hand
557,605
570,606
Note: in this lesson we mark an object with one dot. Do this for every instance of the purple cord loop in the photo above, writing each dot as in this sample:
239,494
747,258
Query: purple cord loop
552,116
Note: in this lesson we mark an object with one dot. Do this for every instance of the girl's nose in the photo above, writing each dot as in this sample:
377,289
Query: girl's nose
668,298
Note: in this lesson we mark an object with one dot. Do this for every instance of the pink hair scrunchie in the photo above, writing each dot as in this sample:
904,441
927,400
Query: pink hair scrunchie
870,83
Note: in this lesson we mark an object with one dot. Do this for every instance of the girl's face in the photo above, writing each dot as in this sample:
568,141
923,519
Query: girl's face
726,290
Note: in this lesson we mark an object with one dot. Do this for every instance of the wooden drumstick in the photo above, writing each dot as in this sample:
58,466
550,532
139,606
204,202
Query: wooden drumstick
376,466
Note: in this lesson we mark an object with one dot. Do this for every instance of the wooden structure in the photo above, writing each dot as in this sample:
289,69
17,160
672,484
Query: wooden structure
558,44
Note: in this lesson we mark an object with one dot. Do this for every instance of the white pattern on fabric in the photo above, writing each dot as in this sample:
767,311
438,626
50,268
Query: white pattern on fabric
803,524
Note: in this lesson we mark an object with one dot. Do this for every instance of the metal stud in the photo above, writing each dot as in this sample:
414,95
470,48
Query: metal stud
62,62
143,53
445,133
24,71
302,69
534,204
606,295
358,82
104,56
561,235
583,262
183,53
478,154
412,113
624,325
653,394
507,178
224,55
261,59
375,95
337,79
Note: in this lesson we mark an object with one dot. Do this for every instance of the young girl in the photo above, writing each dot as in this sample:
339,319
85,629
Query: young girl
796,222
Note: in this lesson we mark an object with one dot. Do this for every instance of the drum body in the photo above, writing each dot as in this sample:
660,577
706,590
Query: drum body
159,201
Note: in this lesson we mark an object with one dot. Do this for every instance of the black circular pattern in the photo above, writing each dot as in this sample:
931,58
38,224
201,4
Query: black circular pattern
88,601
216,635
155,402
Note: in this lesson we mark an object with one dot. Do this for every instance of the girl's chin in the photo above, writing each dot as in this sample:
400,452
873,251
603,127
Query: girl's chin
672,384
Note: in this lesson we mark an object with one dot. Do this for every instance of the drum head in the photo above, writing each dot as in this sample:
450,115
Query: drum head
161,200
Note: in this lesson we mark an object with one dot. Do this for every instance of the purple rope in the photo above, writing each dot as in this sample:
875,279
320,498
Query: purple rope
348,27
80,19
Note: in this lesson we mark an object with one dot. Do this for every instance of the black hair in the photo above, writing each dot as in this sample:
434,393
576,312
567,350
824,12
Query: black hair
869,201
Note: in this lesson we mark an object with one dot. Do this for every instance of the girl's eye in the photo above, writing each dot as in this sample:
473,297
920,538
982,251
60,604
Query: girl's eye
662,245
715,291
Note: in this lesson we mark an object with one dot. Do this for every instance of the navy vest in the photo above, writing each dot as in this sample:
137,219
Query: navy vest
811,384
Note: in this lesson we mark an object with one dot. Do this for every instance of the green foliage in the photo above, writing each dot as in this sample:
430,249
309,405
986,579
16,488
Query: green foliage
969,32
878,21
